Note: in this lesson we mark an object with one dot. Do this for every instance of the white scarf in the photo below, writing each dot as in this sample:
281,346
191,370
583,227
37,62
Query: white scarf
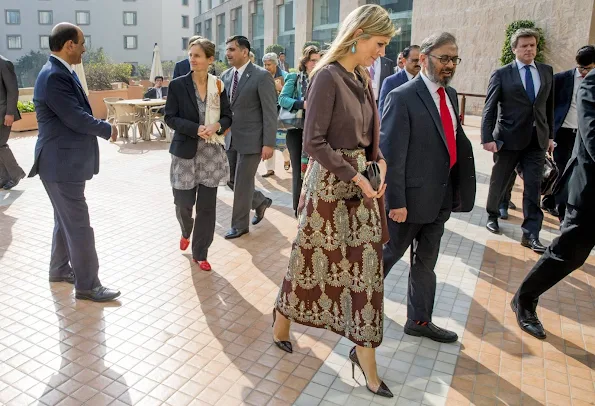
213,106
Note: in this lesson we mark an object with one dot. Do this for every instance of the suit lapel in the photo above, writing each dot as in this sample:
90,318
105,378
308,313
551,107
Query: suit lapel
426,97
245,77
190,89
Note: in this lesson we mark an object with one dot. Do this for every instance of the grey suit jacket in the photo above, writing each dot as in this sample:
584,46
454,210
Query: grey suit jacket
254,110
9,90
508,115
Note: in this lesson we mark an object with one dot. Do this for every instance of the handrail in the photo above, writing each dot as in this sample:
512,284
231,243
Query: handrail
464,101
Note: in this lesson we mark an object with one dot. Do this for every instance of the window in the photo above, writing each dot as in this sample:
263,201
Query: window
13,17
197,28
44,41
184,2
83,17
87,41
400,12
258,31
133,64
325,21
209,4
208,28
45,17
221,34
184,43
236,21
286,24
129,17
185,22
130,42
14,41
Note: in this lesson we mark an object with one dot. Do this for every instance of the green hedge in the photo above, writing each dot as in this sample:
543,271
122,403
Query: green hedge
507,55
26,107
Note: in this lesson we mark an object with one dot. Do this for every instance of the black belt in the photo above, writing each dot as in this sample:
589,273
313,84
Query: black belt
574,130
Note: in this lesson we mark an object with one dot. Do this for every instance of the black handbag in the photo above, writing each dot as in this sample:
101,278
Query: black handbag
372,173
550,174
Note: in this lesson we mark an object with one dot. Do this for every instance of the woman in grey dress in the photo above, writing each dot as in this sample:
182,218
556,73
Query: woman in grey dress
198,110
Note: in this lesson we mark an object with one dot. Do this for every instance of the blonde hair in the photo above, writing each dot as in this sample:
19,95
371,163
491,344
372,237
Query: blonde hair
372,19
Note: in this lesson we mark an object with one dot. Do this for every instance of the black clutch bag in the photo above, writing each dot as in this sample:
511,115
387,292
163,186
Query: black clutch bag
372,173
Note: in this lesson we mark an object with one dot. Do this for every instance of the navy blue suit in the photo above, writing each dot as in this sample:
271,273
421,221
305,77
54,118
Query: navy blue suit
392,82
67,155
182,68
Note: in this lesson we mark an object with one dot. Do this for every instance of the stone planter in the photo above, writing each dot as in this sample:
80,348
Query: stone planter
28,122
136,92
96,99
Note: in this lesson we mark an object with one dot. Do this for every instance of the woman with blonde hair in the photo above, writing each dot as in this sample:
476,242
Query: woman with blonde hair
335,277
198,110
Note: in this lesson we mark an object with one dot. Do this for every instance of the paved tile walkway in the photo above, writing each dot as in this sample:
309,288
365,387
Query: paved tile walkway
181,336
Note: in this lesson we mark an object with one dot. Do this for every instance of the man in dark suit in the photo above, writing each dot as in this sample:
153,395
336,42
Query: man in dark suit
571,249
518,127
66,156
379,71
431,173
411,69
10,171
253,132
565,119
182,67
158,91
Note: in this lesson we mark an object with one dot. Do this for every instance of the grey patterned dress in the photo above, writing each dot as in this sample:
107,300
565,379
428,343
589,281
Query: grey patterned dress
209,167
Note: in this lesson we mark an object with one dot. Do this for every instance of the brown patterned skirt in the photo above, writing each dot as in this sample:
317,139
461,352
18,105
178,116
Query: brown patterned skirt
335,278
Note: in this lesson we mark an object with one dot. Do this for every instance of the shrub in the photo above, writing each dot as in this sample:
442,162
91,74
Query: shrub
276,48
27,67
26,107
143,72
219,68
100,76
507,55
315,43
168,68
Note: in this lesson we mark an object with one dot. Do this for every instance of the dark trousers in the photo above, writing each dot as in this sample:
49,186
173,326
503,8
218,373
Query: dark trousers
9,168
564,138
73,243
294,142
205,199
531,160
508,193
565,254
242,168
424,240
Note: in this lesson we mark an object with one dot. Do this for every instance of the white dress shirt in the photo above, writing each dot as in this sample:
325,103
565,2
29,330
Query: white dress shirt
240,73
376,82
409,75
571,119
534,75
68,66
158,93
433,88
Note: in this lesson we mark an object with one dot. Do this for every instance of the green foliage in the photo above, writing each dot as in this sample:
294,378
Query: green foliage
507,55
276,48
219,68
100,76
143,72
168,68
26,107
95,56
315,43
27,67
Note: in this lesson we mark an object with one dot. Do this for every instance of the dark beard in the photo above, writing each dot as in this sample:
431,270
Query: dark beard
442,82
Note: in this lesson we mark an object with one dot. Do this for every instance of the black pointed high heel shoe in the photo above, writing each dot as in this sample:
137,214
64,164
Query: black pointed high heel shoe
284,345
383,390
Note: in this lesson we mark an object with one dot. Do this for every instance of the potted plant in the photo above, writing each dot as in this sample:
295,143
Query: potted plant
28,121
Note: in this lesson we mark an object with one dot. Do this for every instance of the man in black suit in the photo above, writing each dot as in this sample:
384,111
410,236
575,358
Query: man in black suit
157,91
66,157
380,70
518,127
565,119
571,249
431,173
183,67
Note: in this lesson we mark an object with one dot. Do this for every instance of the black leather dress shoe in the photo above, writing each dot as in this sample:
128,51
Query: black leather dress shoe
235,233
260,211
65,278
430,330
98,294
503,213
511,205
493,226
533,243
528,321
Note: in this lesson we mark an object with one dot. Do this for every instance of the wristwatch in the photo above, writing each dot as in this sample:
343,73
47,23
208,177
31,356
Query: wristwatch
219,131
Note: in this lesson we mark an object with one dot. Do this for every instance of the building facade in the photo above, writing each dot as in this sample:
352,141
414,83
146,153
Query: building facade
289,23
126,29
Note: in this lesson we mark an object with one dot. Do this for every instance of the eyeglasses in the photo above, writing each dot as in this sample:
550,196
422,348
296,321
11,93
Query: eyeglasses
584,69
444,59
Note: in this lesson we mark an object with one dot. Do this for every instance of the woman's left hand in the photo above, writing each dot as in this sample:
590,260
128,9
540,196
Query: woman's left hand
209,130
382,189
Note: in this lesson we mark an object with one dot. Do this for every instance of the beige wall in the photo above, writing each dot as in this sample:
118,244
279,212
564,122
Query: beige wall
479,26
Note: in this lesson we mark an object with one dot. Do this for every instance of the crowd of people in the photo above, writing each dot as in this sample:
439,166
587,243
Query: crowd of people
387,162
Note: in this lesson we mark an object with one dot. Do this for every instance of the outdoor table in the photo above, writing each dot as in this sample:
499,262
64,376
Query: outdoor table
144,106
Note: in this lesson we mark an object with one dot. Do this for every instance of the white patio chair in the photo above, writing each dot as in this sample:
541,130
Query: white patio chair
128,115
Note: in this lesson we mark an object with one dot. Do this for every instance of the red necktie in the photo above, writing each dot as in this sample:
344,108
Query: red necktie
449,130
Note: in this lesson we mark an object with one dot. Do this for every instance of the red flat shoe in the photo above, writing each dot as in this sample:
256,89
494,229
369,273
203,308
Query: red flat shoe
184,243
203,265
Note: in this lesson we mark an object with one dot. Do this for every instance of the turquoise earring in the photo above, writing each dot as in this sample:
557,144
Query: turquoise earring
353,47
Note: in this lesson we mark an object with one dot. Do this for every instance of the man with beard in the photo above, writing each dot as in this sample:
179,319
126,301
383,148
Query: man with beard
412,68
431,173
518,127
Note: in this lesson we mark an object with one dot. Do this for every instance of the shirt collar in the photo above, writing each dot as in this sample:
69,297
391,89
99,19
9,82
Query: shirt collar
68,66
521,65
577,74
242,69
432,87
409,75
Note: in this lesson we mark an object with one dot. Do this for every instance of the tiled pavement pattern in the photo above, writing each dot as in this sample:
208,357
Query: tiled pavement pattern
182,336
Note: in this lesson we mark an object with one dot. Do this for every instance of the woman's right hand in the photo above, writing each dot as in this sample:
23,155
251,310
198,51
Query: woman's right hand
202,133
365,186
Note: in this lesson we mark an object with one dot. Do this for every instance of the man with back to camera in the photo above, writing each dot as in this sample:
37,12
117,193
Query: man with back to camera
253,132
66,156
431,173
411,68
571,249
182,67
518,127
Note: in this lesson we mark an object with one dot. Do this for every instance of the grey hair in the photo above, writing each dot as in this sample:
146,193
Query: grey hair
436,41
271,56
523,33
